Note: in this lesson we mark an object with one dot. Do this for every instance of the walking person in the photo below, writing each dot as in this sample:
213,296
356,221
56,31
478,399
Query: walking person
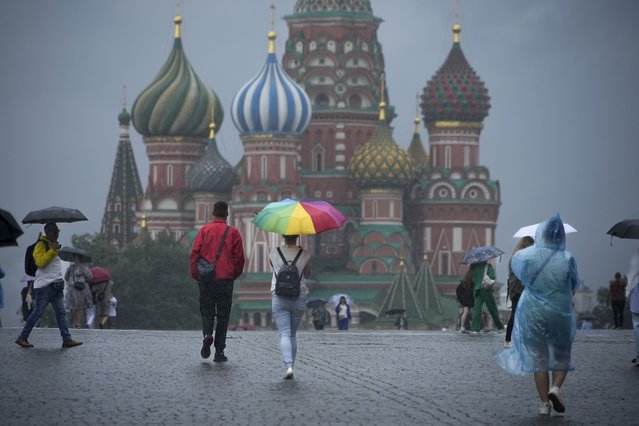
78,296
49,287
320,316
545,320
464,293
483,295
515,288
343,313
617,298
288,311
632,293
221,245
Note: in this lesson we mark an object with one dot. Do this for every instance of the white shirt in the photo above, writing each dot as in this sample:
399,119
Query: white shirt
50,273
289,253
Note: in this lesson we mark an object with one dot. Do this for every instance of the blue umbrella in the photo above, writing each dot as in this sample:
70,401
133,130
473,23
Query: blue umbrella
481,254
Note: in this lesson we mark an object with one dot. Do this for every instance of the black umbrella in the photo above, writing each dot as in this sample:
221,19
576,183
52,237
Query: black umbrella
312,302
628,228
72,254
395,311
54,214
9,229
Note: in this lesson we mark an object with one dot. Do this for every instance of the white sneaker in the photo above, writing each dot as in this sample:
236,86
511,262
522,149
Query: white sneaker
289,374
462,330
507,344
555,399
544,409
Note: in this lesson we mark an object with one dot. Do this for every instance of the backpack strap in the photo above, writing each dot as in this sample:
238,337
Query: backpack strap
282,256
299,253
219,249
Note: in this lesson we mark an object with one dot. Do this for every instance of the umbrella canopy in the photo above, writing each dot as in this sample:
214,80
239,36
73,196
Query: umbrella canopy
72,254
54,214
530,230
9,229
312,302
628,228
100,273
294,217
334,300
395,311
481,254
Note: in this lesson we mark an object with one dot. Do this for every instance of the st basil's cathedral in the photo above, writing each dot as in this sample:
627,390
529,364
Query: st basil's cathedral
317,124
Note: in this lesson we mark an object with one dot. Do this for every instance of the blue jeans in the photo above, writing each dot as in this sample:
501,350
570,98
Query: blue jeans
43,296
287,314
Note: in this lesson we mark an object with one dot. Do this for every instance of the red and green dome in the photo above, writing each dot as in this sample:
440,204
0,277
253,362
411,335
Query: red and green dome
177,102
455,93
331,7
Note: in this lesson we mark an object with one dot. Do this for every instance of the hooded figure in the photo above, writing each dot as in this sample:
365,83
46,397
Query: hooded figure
545,320
632,294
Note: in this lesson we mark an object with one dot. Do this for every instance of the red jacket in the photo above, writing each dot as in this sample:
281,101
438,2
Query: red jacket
231,262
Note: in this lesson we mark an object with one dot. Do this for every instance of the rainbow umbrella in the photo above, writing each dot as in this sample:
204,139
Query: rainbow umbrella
294,217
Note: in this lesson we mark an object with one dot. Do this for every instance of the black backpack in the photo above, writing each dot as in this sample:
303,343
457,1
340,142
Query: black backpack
30,266
287,280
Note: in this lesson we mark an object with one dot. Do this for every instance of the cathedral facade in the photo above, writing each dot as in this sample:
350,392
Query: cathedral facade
315,122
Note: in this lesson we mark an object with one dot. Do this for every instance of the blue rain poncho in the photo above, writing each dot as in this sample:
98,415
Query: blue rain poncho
545,320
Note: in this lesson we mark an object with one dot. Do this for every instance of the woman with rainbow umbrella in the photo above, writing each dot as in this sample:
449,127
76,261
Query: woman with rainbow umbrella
290,218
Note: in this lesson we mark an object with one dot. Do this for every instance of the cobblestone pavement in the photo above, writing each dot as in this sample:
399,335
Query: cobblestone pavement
354,377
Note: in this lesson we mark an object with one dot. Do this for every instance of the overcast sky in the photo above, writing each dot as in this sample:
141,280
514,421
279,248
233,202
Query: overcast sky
560,136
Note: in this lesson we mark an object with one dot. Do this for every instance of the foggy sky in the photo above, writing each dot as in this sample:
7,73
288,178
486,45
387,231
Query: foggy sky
560,135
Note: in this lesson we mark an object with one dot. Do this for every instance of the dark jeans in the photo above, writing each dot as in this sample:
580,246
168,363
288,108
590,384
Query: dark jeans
617,312
216,298
43,296
511,320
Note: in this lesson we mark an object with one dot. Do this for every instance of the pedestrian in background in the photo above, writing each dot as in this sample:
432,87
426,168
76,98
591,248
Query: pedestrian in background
102,301
617,298
483,295
49,287
78,296
515,288
113,312
545,320
288,311
320,316
632,292
216,294
343,313
464,293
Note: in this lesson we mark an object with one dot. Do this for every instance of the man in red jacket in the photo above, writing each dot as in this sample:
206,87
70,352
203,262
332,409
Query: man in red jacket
216,295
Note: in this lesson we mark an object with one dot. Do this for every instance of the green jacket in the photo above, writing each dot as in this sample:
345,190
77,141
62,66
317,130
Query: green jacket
478,274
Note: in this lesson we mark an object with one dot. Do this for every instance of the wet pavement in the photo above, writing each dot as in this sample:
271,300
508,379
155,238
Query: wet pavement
123,377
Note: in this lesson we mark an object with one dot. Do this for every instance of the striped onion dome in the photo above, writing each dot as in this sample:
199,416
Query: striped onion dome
381,163
211,173
271,103
176,103
416,148
455,93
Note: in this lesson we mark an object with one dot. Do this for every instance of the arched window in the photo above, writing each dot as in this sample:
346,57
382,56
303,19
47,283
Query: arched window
169,175
263,167
355,101
321,99
318,158
447,157
466,156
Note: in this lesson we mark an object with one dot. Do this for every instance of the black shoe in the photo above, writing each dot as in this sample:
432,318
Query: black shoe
24,343
206,347
70,343
220,357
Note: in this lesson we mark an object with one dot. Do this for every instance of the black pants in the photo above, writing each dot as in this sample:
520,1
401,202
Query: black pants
617,312
511,320
216,298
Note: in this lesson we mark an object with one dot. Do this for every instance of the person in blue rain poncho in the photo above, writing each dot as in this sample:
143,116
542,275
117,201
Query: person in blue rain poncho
545,320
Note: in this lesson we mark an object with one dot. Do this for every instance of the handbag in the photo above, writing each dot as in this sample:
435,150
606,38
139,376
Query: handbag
206,269
486,281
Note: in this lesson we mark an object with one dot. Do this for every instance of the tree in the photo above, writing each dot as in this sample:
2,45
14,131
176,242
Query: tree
151,280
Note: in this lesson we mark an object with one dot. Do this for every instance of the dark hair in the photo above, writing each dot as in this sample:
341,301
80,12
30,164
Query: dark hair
220,209
290,239
51,226
617,275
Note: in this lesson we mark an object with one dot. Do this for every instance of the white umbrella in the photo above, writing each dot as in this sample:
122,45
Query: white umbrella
530,230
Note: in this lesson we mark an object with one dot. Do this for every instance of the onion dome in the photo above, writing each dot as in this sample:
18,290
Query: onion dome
416,149
455,93
176,103
381,163
211,173
124,118
271,103
303,7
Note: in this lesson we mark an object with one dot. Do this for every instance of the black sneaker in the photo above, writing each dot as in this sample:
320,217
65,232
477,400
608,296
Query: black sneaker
70,343
206,347
23,343
220,357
